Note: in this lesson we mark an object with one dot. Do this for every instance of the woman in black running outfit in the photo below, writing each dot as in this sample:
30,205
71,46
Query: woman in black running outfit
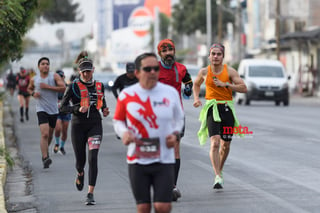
87,97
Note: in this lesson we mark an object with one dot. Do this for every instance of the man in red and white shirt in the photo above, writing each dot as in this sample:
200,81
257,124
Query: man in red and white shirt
149,120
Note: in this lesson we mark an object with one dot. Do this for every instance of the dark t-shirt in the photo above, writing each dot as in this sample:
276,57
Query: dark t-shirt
122,82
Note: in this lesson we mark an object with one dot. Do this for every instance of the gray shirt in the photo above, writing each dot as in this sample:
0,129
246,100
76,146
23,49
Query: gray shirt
48,100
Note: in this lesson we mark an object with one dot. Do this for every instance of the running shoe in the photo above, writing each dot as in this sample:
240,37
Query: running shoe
218,182
21,120
80,182
62,151
27,117
46,162
56,148
175,194
90,199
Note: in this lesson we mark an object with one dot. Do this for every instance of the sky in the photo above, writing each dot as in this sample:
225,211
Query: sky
45,34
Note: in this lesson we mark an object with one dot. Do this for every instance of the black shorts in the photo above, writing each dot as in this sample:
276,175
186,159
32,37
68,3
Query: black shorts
159,176
221,128
24,94
44,117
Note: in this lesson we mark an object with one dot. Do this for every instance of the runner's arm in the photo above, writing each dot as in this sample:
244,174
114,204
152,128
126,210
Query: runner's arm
197,83
60,85
65,106
115,88
238,84
187,80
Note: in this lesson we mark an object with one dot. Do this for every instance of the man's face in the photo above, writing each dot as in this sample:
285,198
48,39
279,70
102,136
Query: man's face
167,55
44,66
131,75
216,56
148,74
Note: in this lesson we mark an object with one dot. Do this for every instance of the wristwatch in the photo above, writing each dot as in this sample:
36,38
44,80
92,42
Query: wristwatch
227,84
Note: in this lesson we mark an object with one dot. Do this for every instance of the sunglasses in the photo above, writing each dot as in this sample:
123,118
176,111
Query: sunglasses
148,69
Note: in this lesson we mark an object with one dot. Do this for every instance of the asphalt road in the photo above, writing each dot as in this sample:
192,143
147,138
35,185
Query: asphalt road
275,169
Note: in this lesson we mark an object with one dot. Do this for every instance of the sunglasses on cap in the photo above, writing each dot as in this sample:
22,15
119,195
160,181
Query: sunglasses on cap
148,69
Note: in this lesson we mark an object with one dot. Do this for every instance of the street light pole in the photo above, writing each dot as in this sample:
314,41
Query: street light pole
219,21
209,29
278,29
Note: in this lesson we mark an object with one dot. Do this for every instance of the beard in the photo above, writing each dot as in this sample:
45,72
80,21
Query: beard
169,60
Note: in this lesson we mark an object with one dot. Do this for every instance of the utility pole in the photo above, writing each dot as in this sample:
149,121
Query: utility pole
238,31
278,29
156,29
220,16
209,25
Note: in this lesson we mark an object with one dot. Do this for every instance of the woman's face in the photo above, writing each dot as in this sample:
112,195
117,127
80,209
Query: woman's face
86,75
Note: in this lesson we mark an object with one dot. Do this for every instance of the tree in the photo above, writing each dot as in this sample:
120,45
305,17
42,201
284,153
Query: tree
55,11
17,16
164,28
189,16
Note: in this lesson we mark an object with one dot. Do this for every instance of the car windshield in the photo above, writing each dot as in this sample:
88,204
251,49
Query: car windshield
265,71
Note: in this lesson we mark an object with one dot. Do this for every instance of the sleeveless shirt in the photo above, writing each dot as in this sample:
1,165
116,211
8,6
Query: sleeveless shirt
48,100
215,92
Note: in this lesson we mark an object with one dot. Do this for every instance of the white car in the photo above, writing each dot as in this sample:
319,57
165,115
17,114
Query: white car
265,79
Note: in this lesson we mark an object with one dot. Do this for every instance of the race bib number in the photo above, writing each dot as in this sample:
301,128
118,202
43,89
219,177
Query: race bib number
94,142
148,148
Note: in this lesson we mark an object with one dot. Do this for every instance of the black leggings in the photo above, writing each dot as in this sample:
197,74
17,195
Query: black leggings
81,135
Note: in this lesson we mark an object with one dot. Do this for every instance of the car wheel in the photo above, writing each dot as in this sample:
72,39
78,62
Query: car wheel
239,101
286,102
277,103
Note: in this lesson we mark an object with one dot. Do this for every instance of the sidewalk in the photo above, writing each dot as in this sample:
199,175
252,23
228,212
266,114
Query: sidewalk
308,100
3,164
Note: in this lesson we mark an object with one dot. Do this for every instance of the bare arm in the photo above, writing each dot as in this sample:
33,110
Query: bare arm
60,85
196,86
30,88
238,84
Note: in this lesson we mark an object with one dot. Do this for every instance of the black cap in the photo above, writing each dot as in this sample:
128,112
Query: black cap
85,65
130,67
60,72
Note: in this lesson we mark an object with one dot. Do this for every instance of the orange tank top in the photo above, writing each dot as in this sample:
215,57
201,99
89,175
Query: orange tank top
214,92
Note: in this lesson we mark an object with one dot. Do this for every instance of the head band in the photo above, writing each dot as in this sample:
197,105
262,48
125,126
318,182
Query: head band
165,43
219,46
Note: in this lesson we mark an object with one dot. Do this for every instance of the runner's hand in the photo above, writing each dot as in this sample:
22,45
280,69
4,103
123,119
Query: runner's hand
44,86
128,137
171,140
197,103
105,112
83,109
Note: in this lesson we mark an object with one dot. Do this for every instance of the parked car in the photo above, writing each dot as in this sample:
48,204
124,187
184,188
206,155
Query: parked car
107,78
265,79
193,70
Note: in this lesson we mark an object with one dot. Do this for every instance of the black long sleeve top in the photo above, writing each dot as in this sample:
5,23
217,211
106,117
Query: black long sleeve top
72,94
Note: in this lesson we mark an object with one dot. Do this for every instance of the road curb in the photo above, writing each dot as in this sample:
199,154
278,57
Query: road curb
3,164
